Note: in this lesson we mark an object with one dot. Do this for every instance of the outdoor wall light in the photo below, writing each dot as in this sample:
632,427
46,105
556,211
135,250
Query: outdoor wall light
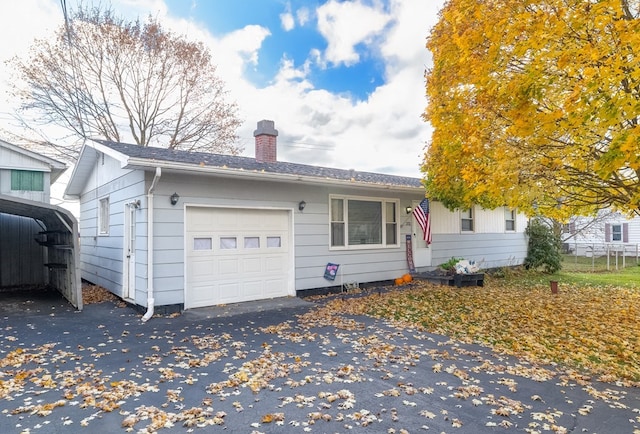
174,198
301,205
408,209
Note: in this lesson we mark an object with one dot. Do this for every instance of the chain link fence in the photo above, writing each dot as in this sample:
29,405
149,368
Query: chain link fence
616,255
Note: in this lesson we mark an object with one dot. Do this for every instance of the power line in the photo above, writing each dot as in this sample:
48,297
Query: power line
295,144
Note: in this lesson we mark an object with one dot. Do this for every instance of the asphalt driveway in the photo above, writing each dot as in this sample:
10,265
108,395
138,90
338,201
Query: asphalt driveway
277,366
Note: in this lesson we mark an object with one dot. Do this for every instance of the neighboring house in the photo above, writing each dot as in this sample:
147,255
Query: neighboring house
174,230
38,241
606,232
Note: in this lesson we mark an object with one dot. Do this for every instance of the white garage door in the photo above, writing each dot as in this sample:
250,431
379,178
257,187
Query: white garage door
236,255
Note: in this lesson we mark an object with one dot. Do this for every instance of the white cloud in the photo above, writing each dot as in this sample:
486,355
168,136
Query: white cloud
347,24
405,41
21,23
287,21
239,47
383,133
303,15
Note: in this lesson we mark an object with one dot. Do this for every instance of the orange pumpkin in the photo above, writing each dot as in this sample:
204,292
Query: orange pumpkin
399,281
407,278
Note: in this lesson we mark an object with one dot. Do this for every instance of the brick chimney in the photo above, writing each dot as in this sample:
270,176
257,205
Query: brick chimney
266,143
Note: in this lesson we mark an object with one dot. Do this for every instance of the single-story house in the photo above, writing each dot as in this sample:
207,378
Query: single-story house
38,241
171,230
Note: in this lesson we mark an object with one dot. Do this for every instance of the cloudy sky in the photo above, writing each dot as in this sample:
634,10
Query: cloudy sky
343,80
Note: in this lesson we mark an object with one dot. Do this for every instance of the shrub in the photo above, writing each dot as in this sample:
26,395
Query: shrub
543,250
450,265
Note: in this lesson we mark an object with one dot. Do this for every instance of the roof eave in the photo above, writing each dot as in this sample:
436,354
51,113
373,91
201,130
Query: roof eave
171,166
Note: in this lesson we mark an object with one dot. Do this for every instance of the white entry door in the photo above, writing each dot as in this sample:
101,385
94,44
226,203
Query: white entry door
421,252
235,255
129,272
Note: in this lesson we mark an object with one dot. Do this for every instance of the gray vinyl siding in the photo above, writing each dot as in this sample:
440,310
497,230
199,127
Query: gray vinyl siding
489,250
634,230
359,265
102,255
310,230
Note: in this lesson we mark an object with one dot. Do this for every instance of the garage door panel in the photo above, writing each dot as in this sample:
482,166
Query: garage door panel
252,290
274,286
228,266
252,265
273,264
248,257
201,268
201,294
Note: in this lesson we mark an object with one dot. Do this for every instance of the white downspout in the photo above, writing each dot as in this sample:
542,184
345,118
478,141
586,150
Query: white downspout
150,299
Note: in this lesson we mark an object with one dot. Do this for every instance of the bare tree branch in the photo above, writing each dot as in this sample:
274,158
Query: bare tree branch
102,76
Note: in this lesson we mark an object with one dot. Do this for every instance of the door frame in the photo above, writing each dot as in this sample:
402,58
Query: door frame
129,252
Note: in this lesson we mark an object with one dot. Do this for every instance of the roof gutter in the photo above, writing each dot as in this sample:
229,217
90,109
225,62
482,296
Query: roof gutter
150,290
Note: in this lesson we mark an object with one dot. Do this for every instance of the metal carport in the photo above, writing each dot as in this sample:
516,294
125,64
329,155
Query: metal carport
59,238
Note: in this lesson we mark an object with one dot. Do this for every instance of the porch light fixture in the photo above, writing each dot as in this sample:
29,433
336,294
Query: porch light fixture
301,205
408,209
174,198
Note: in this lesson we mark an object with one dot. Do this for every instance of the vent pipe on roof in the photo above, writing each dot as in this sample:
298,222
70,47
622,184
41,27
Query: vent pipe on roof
266,142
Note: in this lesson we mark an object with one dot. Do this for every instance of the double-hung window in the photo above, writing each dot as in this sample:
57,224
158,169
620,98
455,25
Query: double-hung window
363,222
616,232
466,220
509,219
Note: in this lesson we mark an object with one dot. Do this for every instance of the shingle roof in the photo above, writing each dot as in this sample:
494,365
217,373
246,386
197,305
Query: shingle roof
201,159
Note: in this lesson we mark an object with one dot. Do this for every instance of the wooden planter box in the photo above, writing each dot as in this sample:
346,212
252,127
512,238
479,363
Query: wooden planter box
458,280
475,279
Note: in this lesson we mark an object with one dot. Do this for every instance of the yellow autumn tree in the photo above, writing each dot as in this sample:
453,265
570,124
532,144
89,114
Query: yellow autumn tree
535,105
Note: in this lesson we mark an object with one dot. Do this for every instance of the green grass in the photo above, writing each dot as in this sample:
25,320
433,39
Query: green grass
597,264
587,271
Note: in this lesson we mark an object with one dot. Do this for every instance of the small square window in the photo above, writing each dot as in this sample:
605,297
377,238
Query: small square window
274,242
227,243
202,244
251,242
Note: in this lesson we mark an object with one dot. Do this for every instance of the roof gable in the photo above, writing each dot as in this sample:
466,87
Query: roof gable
35,161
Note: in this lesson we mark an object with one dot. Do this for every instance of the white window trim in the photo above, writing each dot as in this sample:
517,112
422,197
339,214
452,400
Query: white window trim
514,214
383,201
100,222
473,222
613,232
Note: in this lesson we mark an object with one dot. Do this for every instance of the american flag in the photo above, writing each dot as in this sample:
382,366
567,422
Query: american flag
421,213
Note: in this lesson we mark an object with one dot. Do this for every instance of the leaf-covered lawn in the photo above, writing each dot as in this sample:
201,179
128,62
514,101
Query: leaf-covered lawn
592,329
